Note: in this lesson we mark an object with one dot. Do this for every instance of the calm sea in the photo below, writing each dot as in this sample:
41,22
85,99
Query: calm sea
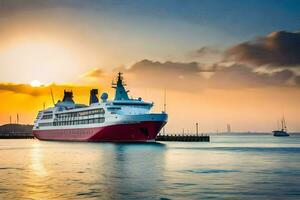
229,167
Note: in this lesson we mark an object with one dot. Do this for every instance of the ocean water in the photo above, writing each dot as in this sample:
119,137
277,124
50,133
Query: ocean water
229,167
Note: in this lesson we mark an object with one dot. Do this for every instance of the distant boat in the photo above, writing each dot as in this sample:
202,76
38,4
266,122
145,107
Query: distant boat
283,131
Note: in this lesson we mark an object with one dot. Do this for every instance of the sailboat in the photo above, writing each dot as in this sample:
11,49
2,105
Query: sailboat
281,132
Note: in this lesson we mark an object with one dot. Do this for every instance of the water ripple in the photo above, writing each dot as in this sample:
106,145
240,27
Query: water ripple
208,171
11,168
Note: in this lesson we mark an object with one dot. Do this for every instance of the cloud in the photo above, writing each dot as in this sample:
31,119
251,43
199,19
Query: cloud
179,68
180,76
40,91
277,49
242,76
173,75
207,54
193,76
206,51
94,73
297,80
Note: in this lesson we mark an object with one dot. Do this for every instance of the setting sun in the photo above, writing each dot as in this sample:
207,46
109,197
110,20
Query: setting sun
35,83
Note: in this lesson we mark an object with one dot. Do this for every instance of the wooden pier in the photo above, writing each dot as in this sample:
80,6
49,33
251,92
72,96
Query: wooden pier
183,138
16,136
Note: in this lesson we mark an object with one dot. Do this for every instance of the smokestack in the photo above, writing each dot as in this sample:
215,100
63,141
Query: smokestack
68,96
93,96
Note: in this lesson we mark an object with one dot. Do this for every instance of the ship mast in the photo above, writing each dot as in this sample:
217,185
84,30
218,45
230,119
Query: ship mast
52,97
121,92
283,124
165,107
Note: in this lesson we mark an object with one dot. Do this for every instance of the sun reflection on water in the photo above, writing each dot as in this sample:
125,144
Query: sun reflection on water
36,185
37,165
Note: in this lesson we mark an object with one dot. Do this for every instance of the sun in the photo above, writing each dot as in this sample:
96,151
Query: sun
35,83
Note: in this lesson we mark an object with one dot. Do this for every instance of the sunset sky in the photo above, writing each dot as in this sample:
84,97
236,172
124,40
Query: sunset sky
220,62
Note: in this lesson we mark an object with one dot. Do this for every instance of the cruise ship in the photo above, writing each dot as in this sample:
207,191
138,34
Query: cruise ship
122,119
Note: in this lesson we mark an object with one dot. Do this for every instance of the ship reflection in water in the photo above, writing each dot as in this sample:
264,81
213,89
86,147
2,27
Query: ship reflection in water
229,167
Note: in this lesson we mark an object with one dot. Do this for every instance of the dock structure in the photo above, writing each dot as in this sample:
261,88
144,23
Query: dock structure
183,138
16,131
16,136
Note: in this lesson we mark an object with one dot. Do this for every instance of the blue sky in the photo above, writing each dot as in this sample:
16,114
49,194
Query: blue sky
239,18
118,33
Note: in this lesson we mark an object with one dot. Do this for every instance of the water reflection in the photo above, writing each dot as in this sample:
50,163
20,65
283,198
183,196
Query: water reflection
37,165
130,170
36,184
31,169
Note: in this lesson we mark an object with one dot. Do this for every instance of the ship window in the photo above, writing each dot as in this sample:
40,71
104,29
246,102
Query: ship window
46,124
47,117
102,119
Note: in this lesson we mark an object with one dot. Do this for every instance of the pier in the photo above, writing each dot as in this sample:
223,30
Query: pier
16,131
17,136
183,138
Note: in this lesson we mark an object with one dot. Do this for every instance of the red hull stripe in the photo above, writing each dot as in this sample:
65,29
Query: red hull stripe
138,132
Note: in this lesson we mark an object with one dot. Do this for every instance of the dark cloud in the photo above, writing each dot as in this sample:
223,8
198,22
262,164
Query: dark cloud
276,49
297,80
174,75
241,76
171,67
206,51
179,68
193,76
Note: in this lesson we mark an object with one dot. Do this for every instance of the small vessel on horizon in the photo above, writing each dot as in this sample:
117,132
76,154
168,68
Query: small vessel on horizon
281,132
122,119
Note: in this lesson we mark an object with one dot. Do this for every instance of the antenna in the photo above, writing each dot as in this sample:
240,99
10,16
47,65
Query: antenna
165,107
165,100
52,97
17,118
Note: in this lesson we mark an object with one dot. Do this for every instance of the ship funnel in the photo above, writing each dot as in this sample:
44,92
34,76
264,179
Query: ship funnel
68,96
93,96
